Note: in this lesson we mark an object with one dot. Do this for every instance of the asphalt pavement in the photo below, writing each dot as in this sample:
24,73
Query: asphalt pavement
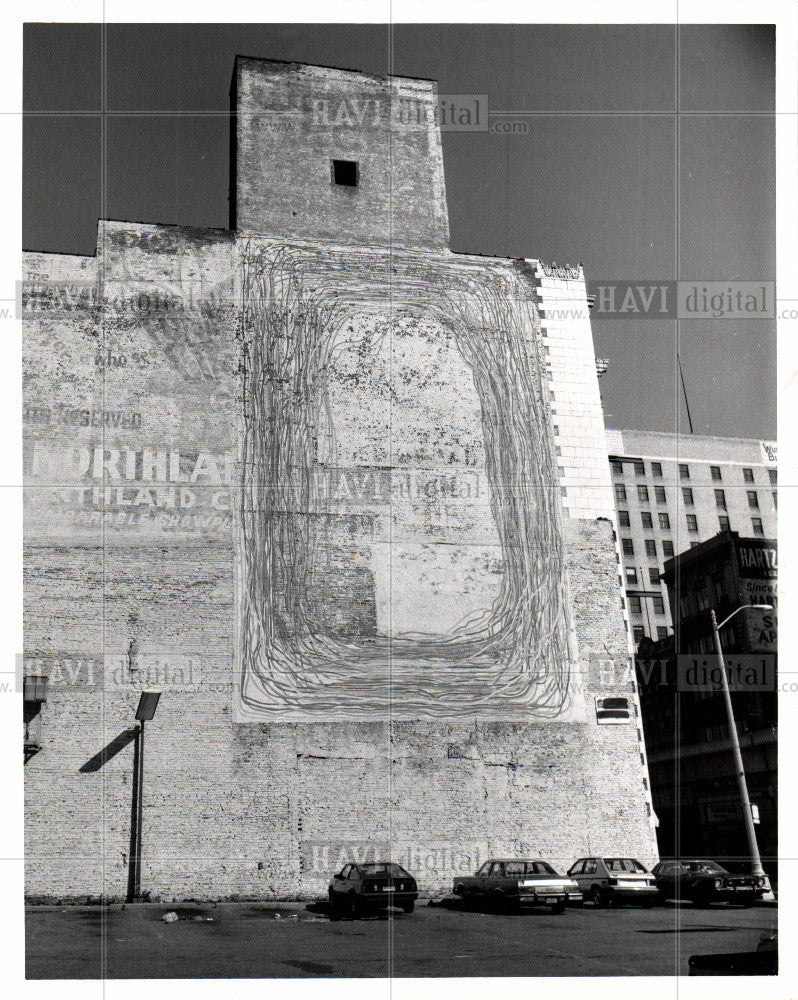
268,940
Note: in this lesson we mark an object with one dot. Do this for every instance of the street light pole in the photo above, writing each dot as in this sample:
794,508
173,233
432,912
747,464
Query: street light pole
753,847
148,702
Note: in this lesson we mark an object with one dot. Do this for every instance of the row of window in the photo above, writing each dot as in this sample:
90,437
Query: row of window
638,632
651,547
631,575
684,471
664,521
646,519
687,496
636,607
692,526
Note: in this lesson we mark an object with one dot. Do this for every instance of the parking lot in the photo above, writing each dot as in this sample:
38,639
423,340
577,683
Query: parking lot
263,940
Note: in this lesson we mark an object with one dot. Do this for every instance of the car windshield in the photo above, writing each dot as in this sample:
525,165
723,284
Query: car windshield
383,868
704,867
624,865
528,868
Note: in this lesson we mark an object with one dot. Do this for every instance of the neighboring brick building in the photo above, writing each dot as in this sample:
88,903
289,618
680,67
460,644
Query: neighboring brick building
302,477
674,491
693,777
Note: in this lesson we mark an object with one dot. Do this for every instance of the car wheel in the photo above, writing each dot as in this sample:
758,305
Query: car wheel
701,899
409,906
354,906
559,907
647,904
333,908
597,897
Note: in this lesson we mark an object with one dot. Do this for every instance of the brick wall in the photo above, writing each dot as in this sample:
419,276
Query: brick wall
132,419
293,120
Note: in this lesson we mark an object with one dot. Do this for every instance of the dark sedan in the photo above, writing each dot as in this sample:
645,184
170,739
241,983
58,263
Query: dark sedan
371,886
706,882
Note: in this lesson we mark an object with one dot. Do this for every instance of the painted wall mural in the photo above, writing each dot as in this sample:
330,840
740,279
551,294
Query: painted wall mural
399,548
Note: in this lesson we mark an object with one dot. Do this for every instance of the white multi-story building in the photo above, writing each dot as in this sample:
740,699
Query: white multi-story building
674,491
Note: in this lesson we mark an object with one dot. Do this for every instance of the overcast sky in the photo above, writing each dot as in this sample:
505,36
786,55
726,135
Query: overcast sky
594,180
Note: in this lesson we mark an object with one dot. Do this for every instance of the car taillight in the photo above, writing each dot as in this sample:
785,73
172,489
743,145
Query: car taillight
718,883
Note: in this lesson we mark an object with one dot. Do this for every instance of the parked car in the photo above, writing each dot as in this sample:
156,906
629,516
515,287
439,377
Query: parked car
518,882
381,883
706,882
607,881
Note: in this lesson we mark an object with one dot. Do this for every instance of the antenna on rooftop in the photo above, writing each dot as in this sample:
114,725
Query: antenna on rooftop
684,390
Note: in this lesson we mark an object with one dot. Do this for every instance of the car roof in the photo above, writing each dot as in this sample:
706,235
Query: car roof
689,861
509,860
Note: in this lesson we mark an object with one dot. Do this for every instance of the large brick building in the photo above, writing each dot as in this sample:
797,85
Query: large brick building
342,496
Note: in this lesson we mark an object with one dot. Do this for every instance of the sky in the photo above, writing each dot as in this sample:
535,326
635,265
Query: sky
649,155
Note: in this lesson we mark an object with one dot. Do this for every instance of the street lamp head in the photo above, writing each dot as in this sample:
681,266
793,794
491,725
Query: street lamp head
743,607
148,702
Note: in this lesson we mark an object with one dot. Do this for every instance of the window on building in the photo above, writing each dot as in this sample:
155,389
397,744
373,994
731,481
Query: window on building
617,466
620,491
692,522
684,471
662,631
715,470
757,525
753,499
631,574
774,478
656,470
658,604
623,518
628,546
645,517
659,493
664,521
634,604
345,173
638,633
687,496
651,548
642,493
667,548
720,499
653,574
723,521
640,469
748,475
694,545
775,499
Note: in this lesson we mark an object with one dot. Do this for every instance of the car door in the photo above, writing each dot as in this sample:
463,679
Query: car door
576,872
481,879
667,879
589,876
339,883
494,879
